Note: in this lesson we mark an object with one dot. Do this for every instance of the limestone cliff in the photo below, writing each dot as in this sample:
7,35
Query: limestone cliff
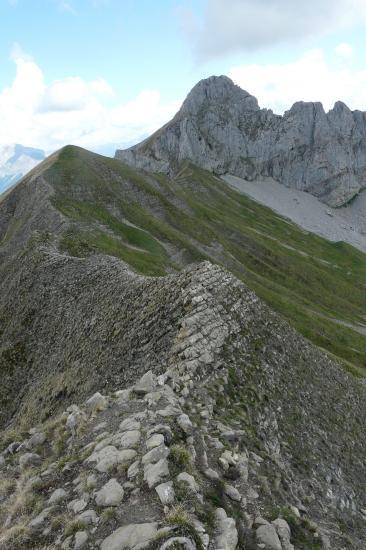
220,127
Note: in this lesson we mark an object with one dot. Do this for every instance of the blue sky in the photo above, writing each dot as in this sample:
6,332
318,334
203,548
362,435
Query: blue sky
105,73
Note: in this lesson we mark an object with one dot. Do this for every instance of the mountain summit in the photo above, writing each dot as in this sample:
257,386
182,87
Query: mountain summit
221,128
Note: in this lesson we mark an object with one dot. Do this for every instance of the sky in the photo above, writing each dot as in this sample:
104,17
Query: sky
104,74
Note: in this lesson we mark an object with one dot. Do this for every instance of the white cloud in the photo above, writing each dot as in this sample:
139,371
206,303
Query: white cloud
235,25
344,51
74,110
65,6
312,77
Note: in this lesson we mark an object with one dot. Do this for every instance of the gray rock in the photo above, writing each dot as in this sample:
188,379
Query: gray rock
232,493
96,402
38,523
156,454
77,505
184,477
146,384
36,439
155,441
58,495
81,538
109,456
166,493
211,474
185,424
111,494
162,429
130,424
226,532
130,439
267,535
179,542
132,537
89,517
134,470
221,128
154,474
284,533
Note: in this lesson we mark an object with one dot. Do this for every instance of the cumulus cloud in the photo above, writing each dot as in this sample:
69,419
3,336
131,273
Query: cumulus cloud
74,110
312,77
235,25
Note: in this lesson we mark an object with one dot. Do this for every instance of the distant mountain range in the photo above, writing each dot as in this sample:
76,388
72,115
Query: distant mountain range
15,161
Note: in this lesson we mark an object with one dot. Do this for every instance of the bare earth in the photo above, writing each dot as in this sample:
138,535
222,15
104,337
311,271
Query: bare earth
347,223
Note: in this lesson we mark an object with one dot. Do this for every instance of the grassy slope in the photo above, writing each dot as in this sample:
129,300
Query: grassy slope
306,278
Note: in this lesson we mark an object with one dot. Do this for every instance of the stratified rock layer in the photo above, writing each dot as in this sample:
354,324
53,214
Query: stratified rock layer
221,128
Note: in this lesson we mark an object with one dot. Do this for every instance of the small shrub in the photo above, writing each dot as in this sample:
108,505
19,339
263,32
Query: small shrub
108,515
74,527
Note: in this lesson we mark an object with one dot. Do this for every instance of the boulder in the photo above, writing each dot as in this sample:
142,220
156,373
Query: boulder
135,536
166,493
146,384
96,402
284,533
189,480
59,495
111,494
130,439
267,535
154,474
81,539
226,532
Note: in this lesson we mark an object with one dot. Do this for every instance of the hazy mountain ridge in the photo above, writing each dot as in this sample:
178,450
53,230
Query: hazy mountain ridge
222,129
16,161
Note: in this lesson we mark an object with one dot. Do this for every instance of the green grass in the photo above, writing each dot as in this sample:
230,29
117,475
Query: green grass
157,225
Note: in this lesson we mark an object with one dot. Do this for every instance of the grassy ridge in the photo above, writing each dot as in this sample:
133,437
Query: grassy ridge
156,225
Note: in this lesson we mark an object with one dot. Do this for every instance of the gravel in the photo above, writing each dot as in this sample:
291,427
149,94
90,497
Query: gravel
347,223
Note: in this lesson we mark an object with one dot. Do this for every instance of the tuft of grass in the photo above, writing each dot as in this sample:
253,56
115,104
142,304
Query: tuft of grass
178,516
181,457
108,514
7,487
75,526
18,536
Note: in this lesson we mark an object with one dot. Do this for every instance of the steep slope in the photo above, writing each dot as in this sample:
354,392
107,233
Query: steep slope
15,162
221,128
251,416
65,306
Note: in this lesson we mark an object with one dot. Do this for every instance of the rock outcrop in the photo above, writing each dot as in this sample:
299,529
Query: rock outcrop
233,437
221,128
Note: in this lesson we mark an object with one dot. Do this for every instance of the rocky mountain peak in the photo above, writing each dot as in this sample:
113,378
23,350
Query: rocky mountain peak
217,90
221,128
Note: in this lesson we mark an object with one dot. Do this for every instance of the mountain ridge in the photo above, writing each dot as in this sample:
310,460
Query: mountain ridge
222,129
15,161
151,397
